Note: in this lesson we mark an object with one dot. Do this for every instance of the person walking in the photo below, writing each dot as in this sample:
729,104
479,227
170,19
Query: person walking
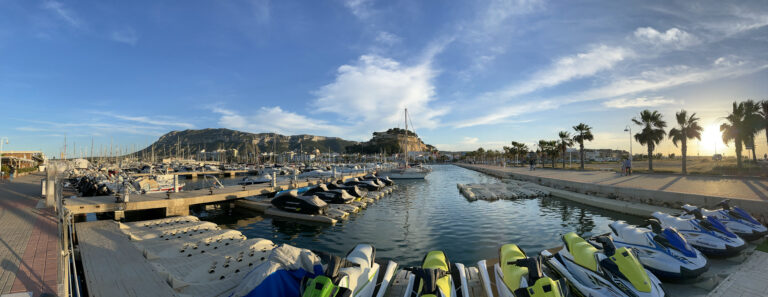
628,166
11,173
531,164
623,166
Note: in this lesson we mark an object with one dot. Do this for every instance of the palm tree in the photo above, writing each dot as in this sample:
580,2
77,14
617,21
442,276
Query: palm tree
584,134
565,142
735,129
754,123
764,113
550,149
652,133
689,129
522,149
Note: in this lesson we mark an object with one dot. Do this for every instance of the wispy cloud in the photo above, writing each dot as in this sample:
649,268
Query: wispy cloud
146,120
637,102
126,35
359,8
387,38
63,13
673,37
274,119
563,69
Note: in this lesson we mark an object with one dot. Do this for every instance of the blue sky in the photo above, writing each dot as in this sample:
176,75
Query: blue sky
471,73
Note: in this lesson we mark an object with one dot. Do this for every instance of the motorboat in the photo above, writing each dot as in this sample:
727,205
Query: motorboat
292,202
250,180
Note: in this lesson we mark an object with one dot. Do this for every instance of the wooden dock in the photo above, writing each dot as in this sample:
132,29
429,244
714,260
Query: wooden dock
195,174
113,266
177,204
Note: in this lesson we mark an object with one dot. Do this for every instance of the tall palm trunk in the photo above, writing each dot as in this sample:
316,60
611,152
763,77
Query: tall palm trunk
684,148
650,158
738,153
581,154
564,158
754,155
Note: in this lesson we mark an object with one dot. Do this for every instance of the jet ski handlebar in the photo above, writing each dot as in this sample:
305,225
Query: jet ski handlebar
534,268
609,249
725,204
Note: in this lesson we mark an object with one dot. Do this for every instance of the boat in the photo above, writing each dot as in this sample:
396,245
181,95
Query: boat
432,279
352,190
249,180
735,218
706,234
292,202
159,183
406,171
517,275
611,271
663,251
330,196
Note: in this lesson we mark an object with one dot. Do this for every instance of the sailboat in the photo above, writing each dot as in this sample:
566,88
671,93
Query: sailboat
406,171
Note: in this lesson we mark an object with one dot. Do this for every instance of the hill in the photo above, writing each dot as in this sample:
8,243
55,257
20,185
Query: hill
390,142
183,143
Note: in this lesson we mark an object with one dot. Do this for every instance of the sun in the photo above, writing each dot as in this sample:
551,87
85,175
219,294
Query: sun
712,140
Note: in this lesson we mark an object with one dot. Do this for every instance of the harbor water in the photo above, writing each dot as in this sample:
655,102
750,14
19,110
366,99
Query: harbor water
425,215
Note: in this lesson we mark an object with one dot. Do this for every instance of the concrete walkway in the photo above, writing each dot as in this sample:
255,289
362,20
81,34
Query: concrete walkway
750,280
655,189
29,240
729,187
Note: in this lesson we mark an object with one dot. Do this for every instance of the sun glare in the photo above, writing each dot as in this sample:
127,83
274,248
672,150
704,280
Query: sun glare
710,139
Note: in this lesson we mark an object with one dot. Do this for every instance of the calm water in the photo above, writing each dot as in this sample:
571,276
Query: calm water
431,214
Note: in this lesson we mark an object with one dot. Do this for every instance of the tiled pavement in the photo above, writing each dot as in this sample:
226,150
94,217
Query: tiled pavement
751,280
28,240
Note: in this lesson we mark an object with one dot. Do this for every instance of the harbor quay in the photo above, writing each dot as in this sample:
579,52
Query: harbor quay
663,190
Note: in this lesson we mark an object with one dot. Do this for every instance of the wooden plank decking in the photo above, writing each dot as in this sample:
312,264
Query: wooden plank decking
113,266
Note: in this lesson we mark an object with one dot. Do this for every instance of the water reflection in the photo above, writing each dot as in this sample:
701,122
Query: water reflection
426,215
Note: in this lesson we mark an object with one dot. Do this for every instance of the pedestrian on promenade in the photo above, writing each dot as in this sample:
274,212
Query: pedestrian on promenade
628,166
532,164
11,172
623,166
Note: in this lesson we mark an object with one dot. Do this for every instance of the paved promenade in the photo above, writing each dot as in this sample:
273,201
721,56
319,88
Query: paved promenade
727,187
28,240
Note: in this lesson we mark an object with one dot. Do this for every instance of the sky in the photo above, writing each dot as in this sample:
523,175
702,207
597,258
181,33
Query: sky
471,73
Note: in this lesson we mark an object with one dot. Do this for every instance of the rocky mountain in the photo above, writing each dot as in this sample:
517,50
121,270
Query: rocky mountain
183,143
390,142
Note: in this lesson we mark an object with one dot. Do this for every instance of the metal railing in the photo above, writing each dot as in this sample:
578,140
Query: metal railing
65,222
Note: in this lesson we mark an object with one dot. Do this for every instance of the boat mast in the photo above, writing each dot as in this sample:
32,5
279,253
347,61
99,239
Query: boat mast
406,138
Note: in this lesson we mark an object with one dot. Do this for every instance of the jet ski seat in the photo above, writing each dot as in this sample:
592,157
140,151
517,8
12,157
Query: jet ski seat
436,260
583,253
512,274
629,233
670,220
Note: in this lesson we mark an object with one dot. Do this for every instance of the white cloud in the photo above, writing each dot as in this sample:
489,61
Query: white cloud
126,35
274,119
147,120
501,114
63,13
372,93
470,140
387,38
673,37
499,11
360,8
567,68
637,102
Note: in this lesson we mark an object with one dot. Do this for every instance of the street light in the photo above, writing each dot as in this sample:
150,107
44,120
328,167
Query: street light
1,151
629,129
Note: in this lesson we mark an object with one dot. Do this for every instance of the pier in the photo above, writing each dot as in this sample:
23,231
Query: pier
177,204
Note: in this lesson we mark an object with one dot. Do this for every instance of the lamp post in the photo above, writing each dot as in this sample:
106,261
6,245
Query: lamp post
1,152
629,129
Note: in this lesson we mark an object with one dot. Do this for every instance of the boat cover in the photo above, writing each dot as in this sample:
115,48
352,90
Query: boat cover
281,274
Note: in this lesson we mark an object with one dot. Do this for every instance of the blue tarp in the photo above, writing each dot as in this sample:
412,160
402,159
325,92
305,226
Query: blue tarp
283,283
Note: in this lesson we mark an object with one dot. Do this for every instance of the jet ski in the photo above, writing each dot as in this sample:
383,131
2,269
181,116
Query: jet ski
609,272
370,185
706,234
432,279
346,277
330,196
351,190
735,218
663,251
291,201
517,275
384,180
